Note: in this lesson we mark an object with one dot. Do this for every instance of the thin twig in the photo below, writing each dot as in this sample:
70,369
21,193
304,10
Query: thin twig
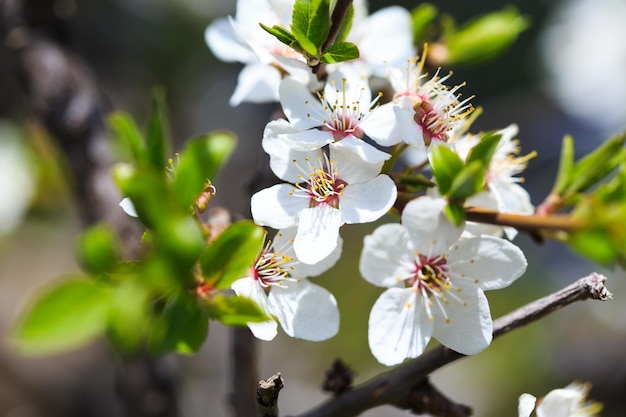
245,375
267,395
397,385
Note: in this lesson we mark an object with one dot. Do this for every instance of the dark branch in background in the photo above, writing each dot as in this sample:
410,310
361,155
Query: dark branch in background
245,376
407,387
63,96
267,396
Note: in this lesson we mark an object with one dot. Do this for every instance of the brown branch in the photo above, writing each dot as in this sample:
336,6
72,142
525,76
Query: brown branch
245,375
521,221
267,395
398,385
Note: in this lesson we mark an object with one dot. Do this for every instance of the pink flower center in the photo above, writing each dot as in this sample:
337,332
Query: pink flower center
430,274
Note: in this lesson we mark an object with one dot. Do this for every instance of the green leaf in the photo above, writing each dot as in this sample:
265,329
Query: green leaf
597,164
66,317
340,52
148,192
445,164
199,162
469,181
422,17
280,33
485,37
127,135
236,310
232,254
484,150
129,318
594,244
346,25
182,325
157,140
98,249
181,239
455,213
310,23
566,165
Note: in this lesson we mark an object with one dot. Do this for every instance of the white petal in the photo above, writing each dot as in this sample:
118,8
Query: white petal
128,207
247,287
489,261
306,311
341,84
225,44
470,328
511,197
526,405
398,326
317,234
364,150
286,160
276,208
308,140
389,23
352,169
390,124
559,403
299,105
367,202
485,199
387,257
299,71
256,83
431,231
283,243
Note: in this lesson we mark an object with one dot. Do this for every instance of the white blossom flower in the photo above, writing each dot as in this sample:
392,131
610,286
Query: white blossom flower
564,402
277,284
503,190
432,110
241,39
331,188
435,283
342,113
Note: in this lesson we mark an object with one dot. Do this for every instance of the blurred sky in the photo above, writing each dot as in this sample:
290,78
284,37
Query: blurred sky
564,75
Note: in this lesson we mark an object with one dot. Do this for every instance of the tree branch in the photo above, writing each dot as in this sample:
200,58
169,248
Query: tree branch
398,385
267,395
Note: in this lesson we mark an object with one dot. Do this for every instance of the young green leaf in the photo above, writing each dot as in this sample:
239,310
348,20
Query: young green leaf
310,23
469,181
445,164
340,52
422,17
566,166
181,325
484,149
236,310
98,249
68,316
232,254
200,162
455,213
346,25
485,37
157,139
280,33
127,135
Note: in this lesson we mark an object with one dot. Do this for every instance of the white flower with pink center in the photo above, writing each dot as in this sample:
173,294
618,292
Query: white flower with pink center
342,113
277,283
268,61
435,283
433,111
327,189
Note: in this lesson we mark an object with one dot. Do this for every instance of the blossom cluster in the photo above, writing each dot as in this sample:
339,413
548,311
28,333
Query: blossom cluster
333,152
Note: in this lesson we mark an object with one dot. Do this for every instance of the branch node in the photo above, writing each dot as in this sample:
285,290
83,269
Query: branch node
426,399
597,290
267,395
339,378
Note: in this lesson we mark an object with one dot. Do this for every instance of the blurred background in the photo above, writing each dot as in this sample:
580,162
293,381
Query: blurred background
564,75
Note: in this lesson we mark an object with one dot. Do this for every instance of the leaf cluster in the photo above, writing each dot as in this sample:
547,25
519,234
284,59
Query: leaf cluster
163,300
